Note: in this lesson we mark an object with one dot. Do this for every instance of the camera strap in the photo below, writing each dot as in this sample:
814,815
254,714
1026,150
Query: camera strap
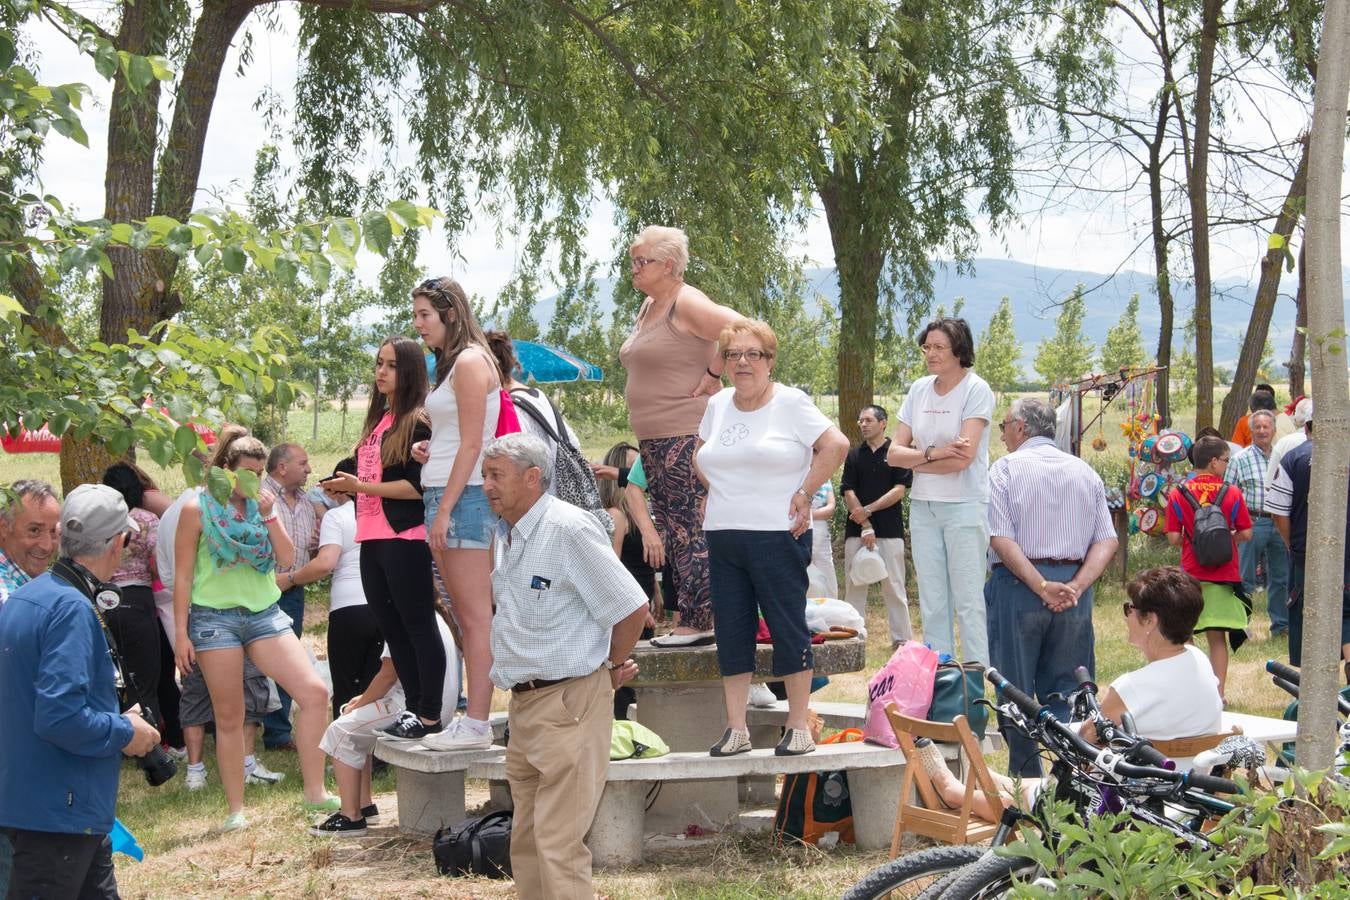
102,597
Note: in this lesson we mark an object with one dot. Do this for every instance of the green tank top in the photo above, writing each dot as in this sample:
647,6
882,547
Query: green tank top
240,586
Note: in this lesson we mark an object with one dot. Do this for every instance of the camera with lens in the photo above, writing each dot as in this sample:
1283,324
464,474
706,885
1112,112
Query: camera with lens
157,765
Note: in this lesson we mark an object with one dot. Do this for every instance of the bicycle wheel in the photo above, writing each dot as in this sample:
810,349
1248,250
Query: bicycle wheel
990,876
914,875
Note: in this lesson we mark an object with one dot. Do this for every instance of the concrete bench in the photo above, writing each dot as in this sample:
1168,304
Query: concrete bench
430,783
617,834
846,715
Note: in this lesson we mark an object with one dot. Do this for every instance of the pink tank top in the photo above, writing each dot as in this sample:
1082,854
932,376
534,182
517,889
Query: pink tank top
664,366
371,525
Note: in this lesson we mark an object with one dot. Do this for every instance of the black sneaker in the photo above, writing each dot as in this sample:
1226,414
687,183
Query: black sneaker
371,814
338,825
408,727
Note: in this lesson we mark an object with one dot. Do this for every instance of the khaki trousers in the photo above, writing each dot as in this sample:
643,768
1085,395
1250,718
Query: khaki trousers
892,551
556,765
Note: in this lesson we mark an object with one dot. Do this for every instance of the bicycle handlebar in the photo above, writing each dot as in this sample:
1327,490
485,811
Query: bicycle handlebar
1291,683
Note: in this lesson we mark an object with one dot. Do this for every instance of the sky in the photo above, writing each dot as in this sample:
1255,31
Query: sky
1087,231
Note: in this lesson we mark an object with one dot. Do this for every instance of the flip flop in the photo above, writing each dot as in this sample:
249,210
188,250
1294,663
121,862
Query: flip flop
697,639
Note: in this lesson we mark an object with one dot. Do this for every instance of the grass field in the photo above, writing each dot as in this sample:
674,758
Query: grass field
187,857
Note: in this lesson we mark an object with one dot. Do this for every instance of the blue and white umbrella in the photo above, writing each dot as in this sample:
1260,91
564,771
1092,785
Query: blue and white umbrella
543,364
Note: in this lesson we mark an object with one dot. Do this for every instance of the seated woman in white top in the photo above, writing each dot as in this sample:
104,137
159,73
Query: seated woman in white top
1175,695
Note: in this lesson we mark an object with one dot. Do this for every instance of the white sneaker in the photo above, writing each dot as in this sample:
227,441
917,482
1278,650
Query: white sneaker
260,774
760,695
458,736
196,780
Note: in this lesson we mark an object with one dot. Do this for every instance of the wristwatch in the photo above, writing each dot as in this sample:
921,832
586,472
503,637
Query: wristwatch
611,665
803,492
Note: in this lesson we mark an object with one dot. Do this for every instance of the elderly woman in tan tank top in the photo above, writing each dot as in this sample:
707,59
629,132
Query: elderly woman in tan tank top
673,367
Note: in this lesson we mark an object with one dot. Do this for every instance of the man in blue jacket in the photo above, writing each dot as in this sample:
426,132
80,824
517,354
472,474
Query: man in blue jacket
61,734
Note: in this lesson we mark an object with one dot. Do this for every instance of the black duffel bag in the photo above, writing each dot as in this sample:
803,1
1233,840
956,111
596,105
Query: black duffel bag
479,846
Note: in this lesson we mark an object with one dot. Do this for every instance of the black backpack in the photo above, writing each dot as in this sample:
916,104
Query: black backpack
479,846
573,479
1211,541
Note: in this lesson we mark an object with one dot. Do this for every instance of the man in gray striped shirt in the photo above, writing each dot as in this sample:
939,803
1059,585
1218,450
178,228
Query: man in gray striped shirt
568,615
1050,537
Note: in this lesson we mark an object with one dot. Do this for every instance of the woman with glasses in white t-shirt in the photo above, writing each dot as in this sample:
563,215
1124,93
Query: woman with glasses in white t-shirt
942,434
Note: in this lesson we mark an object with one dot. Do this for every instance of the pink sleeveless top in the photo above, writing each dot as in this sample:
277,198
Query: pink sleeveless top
664,366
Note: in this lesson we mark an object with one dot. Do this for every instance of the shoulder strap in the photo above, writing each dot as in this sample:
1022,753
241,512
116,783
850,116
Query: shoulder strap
533,413
557,417
1190,498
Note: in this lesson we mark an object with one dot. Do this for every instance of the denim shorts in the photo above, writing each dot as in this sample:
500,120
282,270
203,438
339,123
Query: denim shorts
471,521
220,629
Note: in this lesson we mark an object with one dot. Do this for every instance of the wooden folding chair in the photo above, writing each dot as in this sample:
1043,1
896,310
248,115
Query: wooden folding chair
932,818
1184,748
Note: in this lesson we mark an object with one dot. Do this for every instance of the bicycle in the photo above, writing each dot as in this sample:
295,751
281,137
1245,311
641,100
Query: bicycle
1126,774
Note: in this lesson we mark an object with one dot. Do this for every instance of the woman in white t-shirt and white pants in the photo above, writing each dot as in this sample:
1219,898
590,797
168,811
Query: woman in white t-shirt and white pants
754,453
942,434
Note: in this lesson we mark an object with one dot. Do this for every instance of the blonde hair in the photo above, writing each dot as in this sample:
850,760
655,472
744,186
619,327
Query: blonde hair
666,243
233,444
756,329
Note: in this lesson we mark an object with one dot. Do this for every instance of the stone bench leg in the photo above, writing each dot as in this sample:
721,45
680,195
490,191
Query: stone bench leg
875,795
429,800
616,836
761,790
499,795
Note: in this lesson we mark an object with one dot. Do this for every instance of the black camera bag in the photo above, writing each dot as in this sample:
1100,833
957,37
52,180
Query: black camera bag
478,846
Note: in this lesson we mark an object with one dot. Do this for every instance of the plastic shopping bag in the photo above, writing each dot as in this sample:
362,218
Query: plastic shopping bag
907,681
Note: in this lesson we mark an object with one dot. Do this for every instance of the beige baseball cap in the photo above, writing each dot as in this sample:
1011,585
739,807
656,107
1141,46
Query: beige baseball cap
96,512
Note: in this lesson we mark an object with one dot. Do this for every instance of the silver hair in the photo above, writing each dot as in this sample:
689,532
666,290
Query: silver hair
525,450
77,546
1270,414
1038,418
23,489
664,242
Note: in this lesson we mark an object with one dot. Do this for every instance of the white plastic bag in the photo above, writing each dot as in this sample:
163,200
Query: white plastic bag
825,613
868,567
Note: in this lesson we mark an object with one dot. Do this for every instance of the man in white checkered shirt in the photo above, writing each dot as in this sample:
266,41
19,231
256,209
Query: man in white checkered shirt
568,614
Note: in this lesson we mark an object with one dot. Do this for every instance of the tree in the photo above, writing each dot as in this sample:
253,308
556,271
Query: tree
1182,372
1325,574
997,352
1067,354
1124,347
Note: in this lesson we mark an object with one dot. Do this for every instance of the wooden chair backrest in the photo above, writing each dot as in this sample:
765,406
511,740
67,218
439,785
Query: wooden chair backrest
1183,748
931,817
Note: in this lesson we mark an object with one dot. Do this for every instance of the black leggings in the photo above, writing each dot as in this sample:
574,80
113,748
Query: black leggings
354,646
135,626
170,727
396,576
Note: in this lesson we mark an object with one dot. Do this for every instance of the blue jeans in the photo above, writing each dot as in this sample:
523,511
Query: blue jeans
277,725
949,542
754,572
1296,573
1036,649
1267,541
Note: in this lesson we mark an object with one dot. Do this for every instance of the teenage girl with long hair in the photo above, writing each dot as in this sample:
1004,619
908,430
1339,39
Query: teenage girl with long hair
395,560
225,605
463,406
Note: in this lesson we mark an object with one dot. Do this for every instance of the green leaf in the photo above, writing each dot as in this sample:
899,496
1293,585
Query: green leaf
320,270
161,225
205,253
160,450
193,470
139,73
1275,241
184,440
220,483
233,259
9,306
249,483
378,232
140,239
105,60
179,240
406,212
7,50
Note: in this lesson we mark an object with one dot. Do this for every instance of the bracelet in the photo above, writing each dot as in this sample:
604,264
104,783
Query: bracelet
269,518
867,531
1042,587
803,492
709,370
928,453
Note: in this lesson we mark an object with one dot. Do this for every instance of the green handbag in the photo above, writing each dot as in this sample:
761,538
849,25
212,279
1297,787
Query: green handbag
631,740
956,687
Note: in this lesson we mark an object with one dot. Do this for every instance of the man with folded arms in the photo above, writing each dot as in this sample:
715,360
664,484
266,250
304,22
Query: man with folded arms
568,614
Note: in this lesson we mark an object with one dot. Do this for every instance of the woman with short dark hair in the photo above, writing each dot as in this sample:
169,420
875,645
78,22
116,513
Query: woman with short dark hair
942,434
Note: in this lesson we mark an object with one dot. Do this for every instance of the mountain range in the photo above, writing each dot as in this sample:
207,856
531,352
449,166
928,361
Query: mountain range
1035,292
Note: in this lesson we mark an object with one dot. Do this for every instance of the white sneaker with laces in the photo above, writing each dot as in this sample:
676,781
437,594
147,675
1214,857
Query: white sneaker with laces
760,695
458,736
196,780
260,774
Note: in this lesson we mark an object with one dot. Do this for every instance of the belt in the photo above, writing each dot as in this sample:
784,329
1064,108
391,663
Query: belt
536,683
1049,562
1261,515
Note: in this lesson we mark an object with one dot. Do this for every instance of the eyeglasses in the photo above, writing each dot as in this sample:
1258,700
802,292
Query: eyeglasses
641,262
933,348
752,355
1004,424
1126,608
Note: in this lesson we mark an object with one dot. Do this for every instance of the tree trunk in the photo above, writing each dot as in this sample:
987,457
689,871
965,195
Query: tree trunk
858,260
1267,292
1162,277
1197,189
1300,341
1324,575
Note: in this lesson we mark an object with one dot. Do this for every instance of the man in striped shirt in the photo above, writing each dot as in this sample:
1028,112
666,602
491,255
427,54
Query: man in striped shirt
1050,537
1247,471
